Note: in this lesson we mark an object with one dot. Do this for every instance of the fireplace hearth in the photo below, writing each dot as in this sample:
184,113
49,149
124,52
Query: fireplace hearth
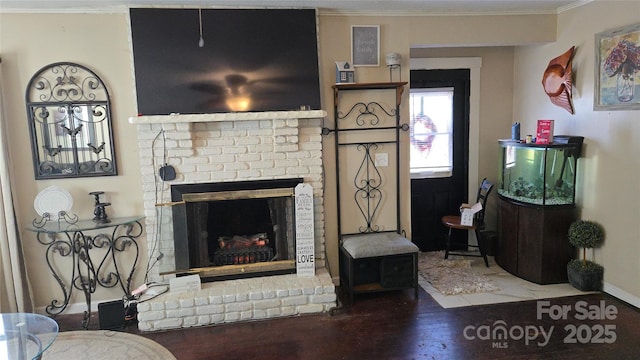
230,148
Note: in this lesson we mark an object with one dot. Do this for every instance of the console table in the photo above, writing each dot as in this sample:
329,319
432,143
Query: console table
81,243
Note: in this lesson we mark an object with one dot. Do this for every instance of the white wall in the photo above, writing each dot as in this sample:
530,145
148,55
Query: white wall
608,189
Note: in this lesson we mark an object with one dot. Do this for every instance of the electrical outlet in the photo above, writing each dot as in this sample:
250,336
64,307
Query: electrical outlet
382,159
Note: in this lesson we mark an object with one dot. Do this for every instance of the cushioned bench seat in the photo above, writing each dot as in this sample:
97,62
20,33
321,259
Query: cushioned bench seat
374,262
377,244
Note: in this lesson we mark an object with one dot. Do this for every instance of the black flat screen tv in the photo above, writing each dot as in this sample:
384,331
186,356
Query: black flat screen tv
251,60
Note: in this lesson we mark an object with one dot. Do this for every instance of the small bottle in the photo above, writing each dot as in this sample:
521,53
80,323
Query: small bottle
515,131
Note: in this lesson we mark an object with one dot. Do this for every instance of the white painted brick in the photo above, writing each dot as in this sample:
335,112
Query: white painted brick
247,140
171,304
279,123
228,298
220,142
294,301
181,126
329,288
287,163
242,296
238,307
249,174
217,318
182,153
222,159
187,302
266,304
289,310
178,135
184,144
224,175
144,326
247,124
324,298
236,166
274,312
268,294
308,290
295,291
210,309
259,132
259,314
184,312
144,306
286,147
301,170
261,164
175,313
247,315
167,324
206,151
235,150
151,315
215,299
310,308
273,172
231,317
282,293
197,176
310,146
189,321
251,157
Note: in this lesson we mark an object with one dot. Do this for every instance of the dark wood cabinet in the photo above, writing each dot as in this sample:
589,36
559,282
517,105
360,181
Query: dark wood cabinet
532,240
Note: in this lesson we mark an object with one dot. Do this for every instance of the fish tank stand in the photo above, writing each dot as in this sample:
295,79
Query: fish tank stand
536,205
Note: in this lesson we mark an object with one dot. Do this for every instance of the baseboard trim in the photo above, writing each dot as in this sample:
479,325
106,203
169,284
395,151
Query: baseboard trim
75,308
621,294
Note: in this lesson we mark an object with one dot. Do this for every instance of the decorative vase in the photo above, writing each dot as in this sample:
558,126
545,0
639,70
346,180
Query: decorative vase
625,83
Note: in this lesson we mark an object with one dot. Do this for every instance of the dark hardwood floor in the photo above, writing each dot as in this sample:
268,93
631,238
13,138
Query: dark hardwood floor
395,326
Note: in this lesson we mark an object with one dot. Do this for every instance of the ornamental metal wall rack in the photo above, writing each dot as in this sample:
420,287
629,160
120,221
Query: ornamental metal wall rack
69,116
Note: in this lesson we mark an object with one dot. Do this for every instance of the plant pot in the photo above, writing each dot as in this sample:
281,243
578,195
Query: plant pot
585,280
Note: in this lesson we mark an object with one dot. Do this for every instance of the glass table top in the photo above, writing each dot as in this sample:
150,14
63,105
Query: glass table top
26,335
54,226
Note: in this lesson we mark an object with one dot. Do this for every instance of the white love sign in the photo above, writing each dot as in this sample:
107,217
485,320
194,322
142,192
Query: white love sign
305,247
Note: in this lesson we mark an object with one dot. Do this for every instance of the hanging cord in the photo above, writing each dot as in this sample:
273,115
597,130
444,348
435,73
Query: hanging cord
158,194
201,41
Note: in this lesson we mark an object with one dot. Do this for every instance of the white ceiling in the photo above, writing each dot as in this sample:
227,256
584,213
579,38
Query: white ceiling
434,7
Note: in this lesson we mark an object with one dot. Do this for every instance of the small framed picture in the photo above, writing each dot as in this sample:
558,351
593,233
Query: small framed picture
617,69
365,45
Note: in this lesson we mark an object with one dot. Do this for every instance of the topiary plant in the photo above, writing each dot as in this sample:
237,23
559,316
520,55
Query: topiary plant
585,234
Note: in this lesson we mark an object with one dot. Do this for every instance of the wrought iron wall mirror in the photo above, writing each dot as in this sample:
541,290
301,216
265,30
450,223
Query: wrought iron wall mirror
69,118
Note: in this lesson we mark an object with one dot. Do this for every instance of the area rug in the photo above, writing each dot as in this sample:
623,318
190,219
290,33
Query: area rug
452,276
104,345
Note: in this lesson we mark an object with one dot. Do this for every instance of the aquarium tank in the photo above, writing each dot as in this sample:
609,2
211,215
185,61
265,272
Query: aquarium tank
539,174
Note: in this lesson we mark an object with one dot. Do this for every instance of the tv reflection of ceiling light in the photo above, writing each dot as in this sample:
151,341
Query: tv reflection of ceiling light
238,103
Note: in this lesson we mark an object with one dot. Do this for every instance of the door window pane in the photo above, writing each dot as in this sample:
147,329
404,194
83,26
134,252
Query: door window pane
431,135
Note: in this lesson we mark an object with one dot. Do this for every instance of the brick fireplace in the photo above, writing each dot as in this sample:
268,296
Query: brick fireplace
219,148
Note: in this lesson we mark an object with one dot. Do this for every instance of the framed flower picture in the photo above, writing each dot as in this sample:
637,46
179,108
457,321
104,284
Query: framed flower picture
617,73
